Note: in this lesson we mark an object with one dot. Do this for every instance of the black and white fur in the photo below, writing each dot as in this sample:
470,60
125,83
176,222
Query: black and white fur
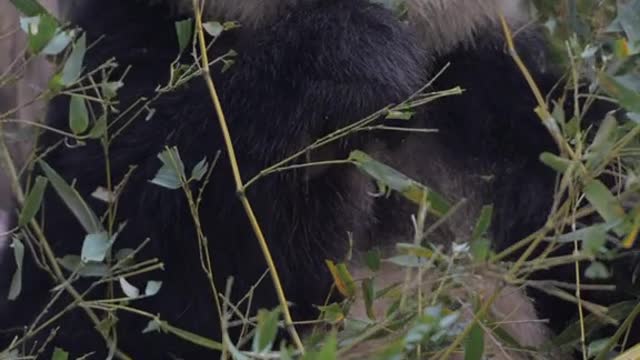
305,68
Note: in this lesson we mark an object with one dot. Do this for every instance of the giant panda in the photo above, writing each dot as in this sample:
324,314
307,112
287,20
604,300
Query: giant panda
304,68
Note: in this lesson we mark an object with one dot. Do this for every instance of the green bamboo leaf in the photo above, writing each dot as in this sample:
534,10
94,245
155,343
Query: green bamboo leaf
483,223
628,98
78,115
74,264
184,30
199,170
33,201
95,247
213,28
30,7
99,129
16,281
395,180
152,288
128,289
607,205
73,66
171,174
328,351
60,41
597,270
266,330
157,325
555,162
372,259
368,294
59,354
474,343
41,30
73,200
342,278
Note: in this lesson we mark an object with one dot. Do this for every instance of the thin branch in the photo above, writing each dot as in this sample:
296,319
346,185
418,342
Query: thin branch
238,180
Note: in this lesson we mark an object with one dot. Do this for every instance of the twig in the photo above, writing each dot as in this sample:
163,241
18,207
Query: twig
238,180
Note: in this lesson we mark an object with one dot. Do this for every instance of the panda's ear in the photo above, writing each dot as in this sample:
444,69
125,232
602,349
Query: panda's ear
447,24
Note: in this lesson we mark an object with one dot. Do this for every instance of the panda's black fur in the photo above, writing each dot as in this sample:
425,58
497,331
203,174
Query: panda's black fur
315,67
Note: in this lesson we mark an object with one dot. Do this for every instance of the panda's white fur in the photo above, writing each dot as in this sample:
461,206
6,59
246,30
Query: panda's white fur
511,310
445,24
